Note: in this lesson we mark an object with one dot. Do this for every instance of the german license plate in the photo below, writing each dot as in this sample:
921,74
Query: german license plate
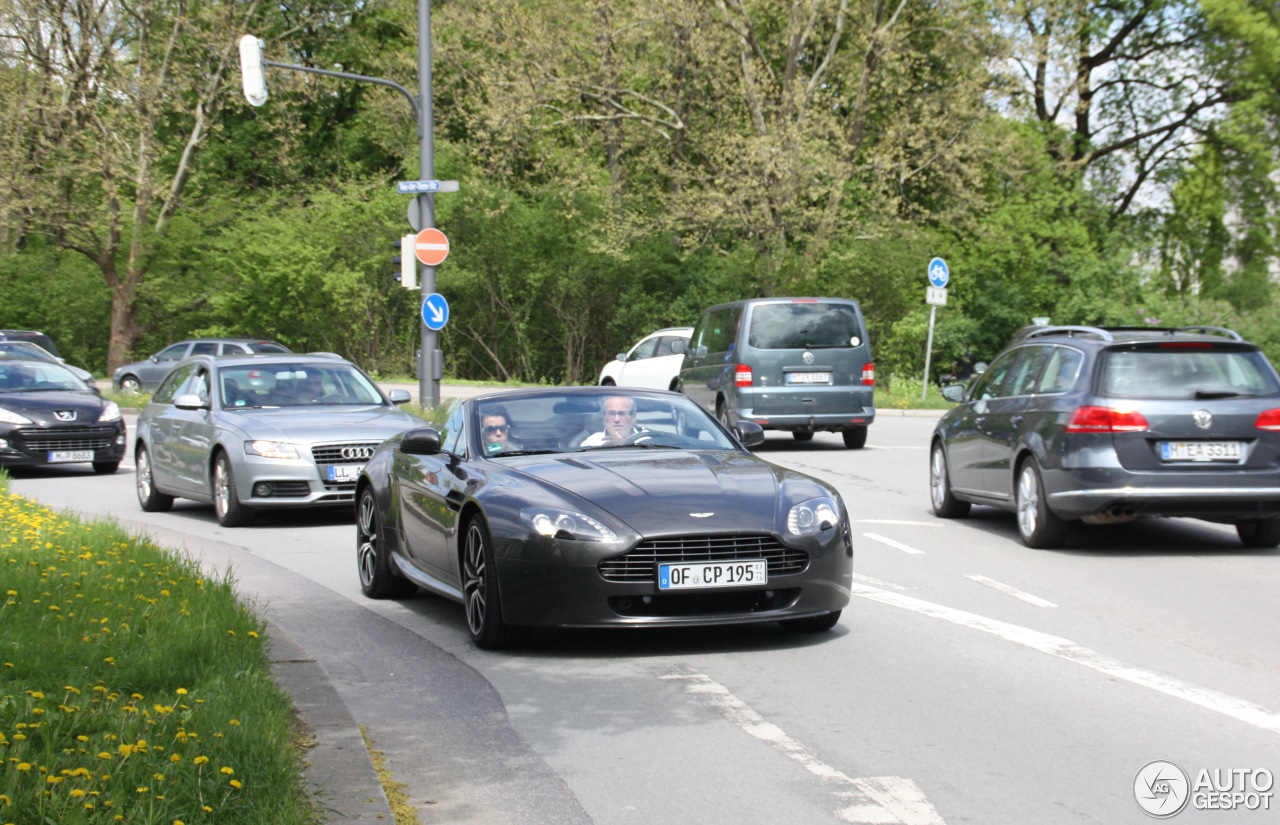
67,456
1200,450
343,472
713,574
808,378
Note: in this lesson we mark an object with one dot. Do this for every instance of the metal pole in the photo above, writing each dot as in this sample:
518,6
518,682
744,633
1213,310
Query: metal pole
928,350
429,367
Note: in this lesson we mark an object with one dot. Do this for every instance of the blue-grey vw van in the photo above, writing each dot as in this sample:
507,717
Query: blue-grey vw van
797,364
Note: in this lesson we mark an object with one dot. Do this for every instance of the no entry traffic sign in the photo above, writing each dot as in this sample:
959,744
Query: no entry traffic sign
431,246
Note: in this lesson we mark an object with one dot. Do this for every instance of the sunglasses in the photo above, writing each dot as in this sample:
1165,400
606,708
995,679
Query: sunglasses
497,428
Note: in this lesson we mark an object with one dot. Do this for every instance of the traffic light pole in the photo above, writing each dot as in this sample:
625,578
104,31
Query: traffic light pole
252,64
430,361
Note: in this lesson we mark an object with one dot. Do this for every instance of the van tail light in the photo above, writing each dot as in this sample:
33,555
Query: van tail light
742,375
868,374
1106,420
1268,420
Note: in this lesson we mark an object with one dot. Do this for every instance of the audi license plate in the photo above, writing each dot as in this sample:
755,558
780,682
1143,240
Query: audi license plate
67,456
1200,450
343,472
808,378
713,574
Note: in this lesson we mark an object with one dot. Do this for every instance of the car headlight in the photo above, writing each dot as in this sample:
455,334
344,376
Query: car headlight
110,412
810,517
11,417
564,524
271,449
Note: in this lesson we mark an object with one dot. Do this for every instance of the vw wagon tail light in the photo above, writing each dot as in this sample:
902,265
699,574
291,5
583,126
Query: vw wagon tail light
868,374
1268,420
742,375
1106,420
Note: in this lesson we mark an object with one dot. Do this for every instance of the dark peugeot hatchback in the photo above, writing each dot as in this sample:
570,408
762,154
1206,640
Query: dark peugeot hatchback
1111,424
49,416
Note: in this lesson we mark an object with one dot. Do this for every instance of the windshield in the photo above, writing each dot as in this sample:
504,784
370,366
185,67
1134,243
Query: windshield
574,422
296,385
37,376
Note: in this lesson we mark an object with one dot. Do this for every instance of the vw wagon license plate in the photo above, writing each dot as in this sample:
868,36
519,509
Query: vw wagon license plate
65,456
343,472
1200,450
714,574
808,378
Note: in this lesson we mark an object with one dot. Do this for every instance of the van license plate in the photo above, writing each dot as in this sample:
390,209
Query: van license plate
715,574
1200,450
67,456
808,378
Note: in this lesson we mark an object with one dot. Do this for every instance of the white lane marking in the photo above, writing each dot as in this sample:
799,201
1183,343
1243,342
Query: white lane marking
900,522
874,582
896,545
879,800
1238,709
1010,590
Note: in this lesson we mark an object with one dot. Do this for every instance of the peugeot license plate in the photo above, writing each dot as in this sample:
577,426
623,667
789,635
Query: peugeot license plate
1200,450
343,472
808,378
67,456
712,574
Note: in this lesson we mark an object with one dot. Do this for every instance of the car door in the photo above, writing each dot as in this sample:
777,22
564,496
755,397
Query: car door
194,433
1006,416
152,371
158,428
967,433
638,369
430,489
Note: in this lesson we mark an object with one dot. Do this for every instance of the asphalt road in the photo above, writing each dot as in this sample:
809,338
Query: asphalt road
971,679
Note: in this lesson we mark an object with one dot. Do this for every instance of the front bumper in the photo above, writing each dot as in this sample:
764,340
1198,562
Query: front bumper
32,446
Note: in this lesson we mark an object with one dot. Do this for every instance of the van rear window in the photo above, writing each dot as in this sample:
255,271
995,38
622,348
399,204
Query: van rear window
803,326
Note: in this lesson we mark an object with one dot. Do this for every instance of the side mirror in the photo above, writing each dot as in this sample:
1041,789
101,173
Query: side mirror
190,401
700,351
622,356
155,359
422,441
953,393
980,367
399,396
679,347
749,433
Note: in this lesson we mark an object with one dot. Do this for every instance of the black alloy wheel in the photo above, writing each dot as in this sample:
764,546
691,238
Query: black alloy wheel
378,577
480,592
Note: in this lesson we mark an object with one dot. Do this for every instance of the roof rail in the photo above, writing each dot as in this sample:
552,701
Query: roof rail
1097,332
1230,333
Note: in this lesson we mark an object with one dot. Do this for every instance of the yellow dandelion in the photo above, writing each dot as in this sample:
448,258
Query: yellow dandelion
235,722
206,809
199,760
235,783
76,793
24,766
182,691
177,757
227,770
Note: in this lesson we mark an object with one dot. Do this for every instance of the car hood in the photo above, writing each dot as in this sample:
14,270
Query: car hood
41,405
308,425
658,492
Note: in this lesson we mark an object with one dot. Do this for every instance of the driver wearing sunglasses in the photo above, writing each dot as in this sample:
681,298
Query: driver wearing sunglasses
495,427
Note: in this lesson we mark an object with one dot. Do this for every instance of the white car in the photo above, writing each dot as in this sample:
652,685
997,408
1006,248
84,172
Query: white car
650,364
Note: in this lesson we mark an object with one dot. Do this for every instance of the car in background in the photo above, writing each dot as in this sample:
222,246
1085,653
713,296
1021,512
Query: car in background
1110,424
679,525
650,364
143,376
48,415
798,365
32,337
253,432
26,349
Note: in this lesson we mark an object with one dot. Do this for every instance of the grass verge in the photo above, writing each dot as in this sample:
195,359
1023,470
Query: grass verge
133,688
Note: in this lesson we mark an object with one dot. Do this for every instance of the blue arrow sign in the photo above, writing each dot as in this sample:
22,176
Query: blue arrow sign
435,311
939,274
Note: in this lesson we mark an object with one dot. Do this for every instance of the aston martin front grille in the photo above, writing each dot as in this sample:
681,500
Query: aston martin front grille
641,563
354,453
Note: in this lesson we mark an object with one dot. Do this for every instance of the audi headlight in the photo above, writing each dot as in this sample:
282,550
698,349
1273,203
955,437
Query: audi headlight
810,517
110,412
271,449
564,524
11,417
